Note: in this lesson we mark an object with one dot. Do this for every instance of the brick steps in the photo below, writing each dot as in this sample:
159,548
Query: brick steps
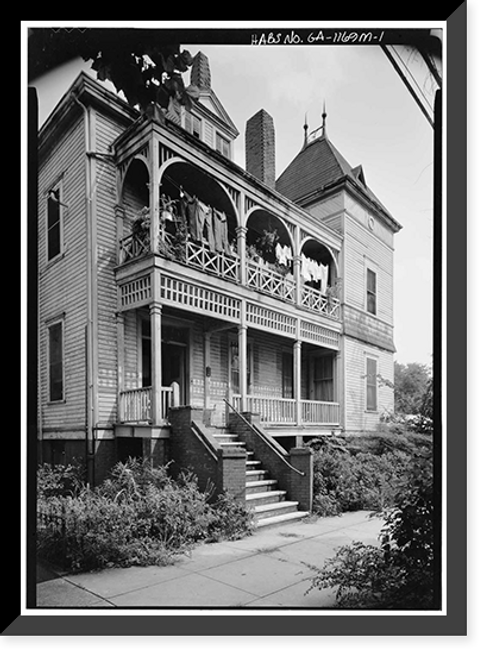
263,496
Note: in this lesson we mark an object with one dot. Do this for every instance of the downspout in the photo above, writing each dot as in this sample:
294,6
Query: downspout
91,402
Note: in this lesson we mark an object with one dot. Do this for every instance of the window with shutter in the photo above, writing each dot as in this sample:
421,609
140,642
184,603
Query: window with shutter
371,385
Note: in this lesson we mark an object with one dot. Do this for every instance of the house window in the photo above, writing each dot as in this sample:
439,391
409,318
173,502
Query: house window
287,375
193,124
54,223
222,145
371,291
371,385
55,359
323,378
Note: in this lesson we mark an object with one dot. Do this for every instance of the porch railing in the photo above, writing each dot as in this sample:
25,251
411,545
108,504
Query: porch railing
262,279
135,405
284,411
316,301
274,411
318,412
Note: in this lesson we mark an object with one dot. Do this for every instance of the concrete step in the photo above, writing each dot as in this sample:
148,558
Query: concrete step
252,487
254,499
281,519
275,509
233,444
253,463
256,474
225,436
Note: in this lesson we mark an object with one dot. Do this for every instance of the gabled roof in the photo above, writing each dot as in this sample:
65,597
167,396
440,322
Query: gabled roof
320,165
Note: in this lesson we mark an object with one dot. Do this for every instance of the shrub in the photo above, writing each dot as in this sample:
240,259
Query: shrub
401,572
363,473
138,516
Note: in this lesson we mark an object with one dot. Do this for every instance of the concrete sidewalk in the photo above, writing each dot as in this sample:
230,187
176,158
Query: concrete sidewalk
272,568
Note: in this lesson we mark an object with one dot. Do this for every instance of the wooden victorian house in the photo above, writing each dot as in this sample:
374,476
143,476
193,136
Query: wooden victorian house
194,311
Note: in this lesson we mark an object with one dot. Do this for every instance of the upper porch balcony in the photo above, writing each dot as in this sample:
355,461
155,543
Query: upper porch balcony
203,225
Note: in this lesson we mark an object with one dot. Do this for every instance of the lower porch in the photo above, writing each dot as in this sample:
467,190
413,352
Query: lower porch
177,359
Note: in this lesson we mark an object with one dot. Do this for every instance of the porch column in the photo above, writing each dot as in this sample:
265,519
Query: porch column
207,370
242,373
297,277
297,379
241,233
156,361
297,263
154,196
120,359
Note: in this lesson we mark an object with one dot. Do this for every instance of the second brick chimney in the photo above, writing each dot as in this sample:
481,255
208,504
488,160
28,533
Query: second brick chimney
260,146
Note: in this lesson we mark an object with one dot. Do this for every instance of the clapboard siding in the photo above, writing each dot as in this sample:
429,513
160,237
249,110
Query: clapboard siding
63,282
362,215
106,133
357,418
361,251
329,210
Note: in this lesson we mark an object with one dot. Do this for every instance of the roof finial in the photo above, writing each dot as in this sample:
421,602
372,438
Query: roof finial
305,127
324,116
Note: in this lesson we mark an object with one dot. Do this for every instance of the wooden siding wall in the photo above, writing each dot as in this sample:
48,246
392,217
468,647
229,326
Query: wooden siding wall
365,249
356,416
105,191
329,211
63,282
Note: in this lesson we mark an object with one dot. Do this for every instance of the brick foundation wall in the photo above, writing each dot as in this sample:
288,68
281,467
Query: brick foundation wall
222,468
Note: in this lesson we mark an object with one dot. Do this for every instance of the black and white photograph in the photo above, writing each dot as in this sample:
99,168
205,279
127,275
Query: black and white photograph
237,372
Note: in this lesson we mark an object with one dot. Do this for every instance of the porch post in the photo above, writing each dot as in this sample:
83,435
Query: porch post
156,361
297,264
241,233
242,359
154,197
297,379
207,370
120,359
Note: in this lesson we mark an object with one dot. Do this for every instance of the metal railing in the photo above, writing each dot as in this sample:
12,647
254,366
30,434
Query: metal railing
263,437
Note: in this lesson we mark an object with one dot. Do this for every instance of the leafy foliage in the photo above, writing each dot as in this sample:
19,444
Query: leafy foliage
138,516
142,65
401,572
411,382
352,475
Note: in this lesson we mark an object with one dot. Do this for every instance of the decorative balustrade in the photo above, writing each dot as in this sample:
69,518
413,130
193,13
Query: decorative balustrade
317,301
259,277
265,280
273,411
318,412
135,405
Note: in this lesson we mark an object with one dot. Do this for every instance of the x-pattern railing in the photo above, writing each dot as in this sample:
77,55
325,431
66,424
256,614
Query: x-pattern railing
267,281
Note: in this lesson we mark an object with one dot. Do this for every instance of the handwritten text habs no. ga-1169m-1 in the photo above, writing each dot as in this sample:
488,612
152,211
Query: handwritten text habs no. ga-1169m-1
320,36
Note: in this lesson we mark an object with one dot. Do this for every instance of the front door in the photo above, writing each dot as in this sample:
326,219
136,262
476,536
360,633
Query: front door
174,364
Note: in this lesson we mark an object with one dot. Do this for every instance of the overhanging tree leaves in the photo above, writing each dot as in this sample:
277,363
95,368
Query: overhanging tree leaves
141,65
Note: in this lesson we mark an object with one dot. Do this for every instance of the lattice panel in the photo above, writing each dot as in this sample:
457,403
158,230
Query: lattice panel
136,291
314,333
198,298
270,320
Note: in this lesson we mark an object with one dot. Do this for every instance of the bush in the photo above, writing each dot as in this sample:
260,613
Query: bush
363,473
138,516
400,573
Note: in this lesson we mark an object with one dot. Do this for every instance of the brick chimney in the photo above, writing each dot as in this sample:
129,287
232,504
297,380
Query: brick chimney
260,143
201,71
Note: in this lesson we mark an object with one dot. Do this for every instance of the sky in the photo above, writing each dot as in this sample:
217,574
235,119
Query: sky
371,119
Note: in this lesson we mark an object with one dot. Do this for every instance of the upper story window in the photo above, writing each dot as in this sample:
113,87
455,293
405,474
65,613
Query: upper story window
371,291
222,145
54,222
193,124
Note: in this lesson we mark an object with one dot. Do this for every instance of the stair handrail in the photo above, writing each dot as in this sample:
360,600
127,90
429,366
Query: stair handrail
264,438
